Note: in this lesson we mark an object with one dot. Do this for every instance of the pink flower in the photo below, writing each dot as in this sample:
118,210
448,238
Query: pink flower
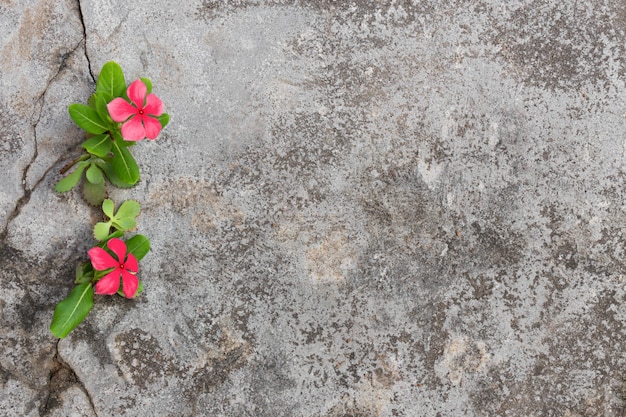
125,266
139,120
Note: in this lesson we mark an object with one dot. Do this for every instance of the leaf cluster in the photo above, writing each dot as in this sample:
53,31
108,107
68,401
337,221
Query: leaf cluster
106,158
71,311
107,155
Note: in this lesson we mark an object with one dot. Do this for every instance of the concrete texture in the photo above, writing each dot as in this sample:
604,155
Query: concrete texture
367,208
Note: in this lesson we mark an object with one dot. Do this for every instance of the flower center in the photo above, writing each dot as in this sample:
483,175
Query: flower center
121,266
141,112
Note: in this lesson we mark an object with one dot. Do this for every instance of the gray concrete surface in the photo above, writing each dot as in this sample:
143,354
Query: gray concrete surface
366,208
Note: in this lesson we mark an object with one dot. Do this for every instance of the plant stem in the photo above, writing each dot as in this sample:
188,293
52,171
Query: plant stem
70,164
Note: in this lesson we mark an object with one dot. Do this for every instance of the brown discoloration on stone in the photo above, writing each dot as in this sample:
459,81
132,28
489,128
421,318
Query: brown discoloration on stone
333,258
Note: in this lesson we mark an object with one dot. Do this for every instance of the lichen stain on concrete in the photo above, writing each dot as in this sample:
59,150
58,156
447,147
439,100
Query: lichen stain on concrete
140,358
144,363
563,46
228,355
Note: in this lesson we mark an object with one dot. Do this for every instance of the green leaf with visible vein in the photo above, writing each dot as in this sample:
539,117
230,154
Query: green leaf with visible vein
87,118
102,100
112,176
67,183
129,208
70,312
123,163
111,80
138,245
99,145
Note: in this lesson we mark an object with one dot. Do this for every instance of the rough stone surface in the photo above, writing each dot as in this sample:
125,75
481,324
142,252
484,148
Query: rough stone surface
369,208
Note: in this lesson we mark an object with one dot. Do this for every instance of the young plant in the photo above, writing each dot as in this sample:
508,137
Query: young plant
112,261
115,118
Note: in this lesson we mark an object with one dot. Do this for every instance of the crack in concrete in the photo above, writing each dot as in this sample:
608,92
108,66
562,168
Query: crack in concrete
62,366
40,102
62,377
35,117
82,22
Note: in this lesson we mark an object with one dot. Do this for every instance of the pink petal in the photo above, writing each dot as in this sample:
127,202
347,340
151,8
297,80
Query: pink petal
154,106
120,110
109,284
118,247
137,93
133,129
152,127
131,263
129,284
101,260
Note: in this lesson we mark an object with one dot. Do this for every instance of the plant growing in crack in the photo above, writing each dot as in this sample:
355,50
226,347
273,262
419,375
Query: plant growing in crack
113,125
115,118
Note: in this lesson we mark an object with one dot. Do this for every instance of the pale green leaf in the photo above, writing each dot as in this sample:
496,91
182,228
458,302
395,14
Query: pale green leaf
129,208
108,208
101,230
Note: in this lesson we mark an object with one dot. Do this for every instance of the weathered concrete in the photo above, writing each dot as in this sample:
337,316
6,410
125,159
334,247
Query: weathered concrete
371,208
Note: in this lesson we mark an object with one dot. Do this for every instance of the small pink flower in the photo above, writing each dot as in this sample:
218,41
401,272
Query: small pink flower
125,266
139,120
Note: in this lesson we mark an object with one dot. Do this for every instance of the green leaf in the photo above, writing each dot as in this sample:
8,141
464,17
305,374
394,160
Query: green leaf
138,245
123,163
111,80
70,312
84,273
94,193
113,178
108,208
94,174
101,230
125,224
67,183
101,108
99,145
87,118
91,101
103,242
124,219
129,208
148,84
164,119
